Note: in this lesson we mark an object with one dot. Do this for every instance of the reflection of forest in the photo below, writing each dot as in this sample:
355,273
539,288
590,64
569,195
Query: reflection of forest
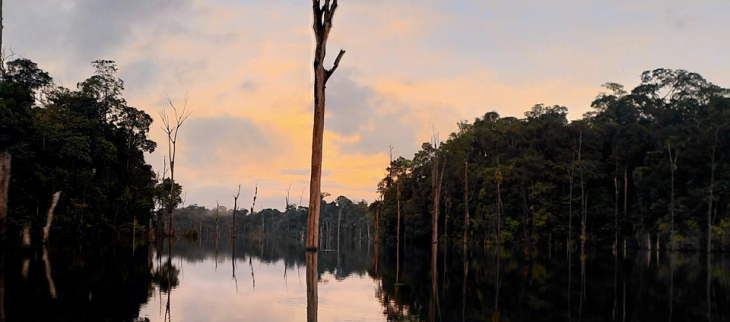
111,281
93,281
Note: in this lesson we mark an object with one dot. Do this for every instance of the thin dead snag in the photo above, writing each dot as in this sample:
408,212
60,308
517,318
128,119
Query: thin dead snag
235,208
466,202
672,167
713,165
171,129
253,205
582,192
217,209
436,180
4,185
322,25
49,218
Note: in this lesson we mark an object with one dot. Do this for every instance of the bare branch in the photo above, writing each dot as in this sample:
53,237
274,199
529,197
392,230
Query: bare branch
334,67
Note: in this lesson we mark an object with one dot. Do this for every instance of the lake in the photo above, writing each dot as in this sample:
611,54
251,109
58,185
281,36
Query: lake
278,281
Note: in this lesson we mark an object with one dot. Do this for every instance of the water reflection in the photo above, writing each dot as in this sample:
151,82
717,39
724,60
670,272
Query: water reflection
123,281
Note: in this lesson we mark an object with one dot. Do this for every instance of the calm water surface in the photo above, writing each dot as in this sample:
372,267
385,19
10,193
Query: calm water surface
279,281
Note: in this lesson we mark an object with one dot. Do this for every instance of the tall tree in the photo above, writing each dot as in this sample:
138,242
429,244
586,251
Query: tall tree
322,25
171,129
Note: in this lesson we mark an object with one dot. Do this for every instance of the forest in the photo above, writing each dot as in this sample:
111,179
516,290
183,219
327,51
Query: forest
646,167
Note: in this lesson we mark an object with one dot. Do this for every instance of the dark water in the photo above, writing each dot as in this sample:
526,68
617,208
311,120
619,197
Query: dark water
278,281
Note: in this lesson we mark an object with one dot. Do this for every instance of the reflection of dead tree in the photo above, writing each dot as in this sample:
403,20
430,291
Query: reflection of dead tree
4,171
322,26
433,309
168,316
253,278
312,296
49,217
497,286
51,285
463,286
171,130
233,263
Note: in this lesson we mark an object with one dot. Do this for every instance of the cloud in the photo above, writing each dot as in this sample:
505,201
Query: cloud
249,86
81,31
224,140
354,110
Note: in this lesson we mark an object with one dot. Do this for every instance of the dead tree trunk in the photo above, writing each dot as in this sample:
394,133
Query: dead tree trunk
615,212
466,201
171,130
672,168
321,26
235,208
253,204
4,176
712,189
49,217
217,209
582,193
626,199
571,173
377,220
397,187
436,180
498,176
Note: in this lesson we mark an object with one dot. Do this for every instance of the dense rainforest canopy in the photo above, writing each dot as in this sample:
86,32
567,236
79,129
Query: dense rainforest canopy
640,165
87,143
641,162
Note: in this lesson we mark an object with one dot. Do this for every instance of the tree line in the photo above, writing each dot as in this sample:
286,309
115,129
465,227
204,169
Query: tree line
86,142
644,168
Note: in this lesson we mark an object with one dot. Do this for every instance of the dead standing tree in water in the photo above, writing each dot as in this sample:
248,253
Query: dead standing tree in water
171,129
253,205
322,25
235,208
436,180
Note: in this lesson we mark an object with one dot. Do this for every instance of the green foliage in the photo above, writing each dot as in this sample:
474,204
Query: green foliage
87,143
532,161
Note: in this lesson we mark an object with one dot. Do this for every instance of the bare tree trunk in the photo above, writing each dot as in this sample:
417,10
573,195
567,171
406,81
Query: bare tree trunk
570,201
436,183
712,189
217,210
321,26
377,220
672,167
582,193
615,211
4,173
49,218
499,207
367,227
26,234
466,202
339,218
397,238
626,198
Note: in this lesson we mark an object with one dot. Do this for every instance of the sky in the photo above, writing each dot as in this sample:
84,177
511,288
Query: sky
412,68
